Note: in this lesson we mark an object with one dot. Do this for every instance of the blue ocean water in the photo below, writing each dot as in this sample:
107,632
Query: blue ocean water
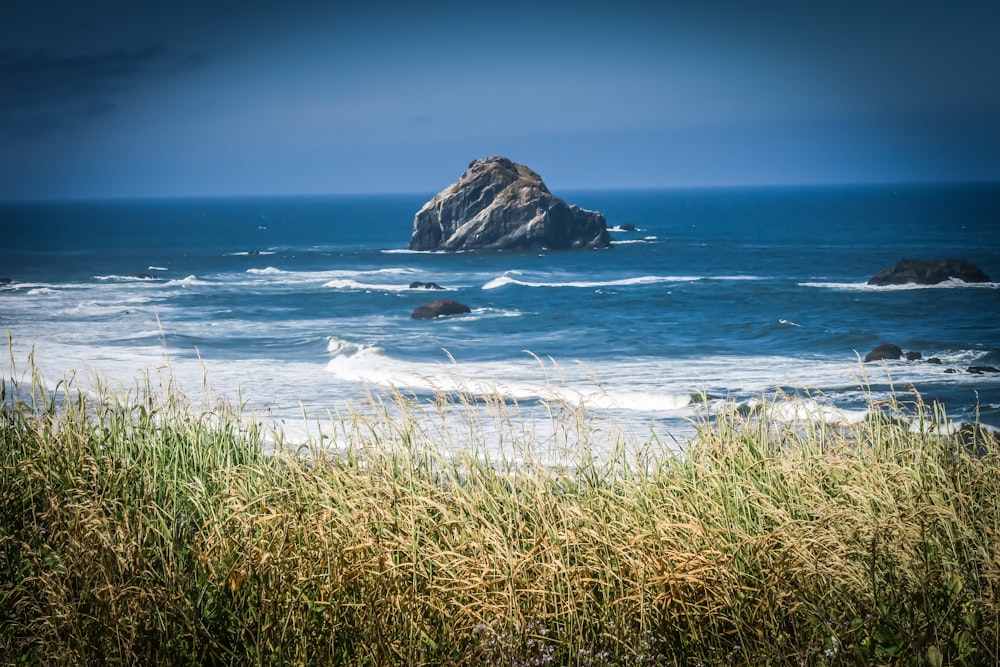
302,304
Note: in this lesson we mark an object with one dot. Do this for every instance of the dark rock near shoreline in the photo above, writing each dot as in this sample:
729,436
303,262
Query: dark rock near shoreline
913,356
979,370
416,284
907,271
627,227
884,351
932,360
498,204
440,308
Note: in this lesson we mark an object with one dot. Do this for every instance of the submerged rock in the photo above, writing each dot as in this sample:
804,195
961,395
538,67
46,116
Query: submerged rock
440,308
498,204
916,271
416,284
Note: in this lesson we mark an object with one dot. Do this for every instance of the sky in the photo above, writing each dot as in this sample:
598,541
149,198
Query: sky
115,98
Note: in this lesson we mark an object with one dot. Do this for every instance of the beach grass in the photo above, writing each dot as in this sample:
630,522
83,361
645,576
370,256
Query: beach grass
140,527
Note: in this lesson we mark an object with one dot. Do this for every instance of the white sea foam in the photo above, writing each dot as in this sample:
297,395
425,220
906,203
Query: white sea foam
619,229
407,251
808,409
267,271
245,253
496,312
508,279
157,268
350,284
186,281
865,287
645,239
41,291
114,278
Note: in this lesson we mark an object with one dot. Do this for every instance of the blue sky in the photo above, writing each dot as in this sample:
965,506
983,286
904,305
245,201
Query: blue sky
113,98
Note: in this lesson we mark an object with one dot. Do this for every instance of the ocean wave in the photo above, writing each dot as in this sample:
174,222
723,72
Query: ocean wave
350,284
247,253
157,268
621,229
792,410
128,279
508,279
41,291
496,312
865,287
266,271
407,251
521,380
338,347
185,282
645,239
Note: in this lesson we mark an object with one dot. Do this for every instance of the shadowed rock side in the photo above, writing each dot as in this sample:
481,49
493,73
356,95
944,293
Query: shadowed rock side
501,205
929,273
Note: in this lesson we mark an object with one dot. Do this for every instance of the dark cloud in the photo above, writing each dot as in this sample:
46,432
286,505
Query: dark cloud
45,90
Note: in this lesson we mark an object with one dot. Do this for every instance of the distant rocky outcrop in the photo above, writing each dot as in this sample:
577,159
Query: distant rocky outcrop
929,273
498,204
416,284
439,308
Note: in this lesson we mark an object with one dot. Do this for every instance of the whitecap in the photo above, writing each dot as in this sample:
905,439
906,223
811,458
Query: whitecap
948,284
645,239
508,279
157,268
116,278
349,284
186,281
41,291
267,271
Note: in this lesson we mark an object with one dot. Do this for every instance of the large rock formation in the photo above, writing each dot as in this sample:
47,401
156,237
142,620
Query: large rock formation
929,273
501,205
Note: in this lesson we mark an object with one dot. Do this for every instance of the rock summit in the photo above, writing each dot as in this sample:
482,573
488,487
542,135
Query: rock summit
498,204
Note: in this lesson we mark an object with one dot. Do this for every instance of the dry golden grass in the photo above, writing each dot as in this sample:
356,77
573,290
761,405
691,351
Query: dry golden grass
137,528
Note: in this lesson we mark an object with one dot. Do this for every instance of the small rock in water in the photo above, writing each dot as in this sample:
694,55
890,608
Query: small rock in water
884,351
918,272
440,308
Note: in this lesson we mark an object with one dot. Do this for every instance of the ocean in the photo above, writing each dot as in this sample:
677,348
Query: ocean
299,307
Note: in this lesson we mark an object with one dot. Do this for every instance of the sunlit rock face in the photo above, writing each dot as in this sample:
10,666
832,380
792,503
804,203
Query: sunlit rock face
498,204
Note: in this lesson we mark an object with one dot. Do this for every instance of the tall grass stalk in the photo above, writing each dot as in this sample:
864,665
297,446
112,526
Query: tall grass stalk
139,528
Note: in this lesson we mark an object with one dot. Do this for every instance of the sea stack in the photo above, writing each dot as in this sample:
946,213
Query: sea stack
498,204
